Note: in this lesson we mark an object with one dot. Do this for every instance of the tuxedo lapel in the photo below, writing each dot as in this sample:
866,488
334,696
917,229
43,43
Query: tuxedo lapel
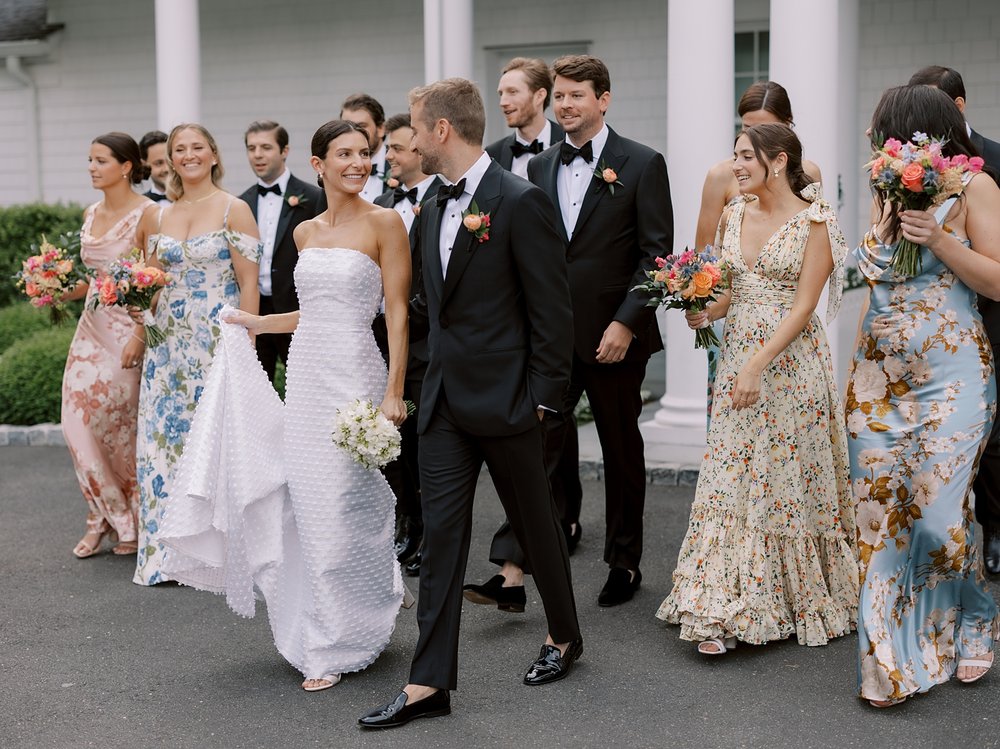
250,198
550,184
487,199
614,157
506,154
431,247
429,194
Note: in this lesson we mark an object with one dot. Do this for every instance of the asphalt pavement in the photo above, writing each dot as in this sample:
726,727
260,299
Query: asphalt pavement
87,659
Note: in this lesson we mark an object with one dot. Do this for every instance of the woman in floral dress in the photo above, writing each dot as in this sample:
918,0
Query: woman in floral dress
100,387
207,241
920,402
769,550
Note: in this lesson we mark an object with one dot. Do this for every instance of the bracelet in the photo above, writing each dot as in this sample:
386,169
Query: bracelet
140,340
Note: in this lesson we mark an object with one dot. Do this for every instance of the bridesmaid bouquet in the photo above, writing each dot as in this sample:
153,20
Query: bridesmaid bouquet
46,276
363,432
129,282
688,281
916,176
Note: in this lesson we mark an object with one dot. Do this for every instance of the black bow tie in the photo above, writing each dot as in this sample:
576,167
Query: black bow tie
450,192
275,188
567,152
400,194
519,149
157,196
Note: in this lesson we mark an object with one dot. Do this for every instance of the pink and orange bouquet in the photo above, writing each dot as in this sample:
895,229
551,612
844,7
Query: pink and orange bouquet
916,176
48,275
688,281
129,282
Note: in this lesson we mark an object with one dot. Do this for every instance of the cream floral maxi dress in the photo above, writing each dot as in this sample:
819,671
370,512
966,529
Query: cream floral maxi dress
770,546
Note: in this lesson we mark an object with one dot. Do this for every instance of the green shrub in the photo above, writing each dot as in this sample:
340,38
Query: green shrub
20,227
279,379
21,321
31,374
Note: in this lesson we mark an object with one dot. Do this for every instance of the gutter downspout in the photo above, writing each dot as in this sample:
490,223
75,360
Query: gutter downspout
33,191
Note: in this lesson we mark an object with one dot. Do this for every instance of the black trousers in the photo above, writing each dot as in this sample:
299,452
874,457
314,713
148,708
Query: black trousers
987,482
613,392
450,462
271,346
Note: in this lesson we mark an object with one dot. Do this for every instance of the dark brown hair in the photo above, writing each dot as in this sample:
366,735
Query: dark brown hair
397,121
536,73
125,150
456,100
946,79
266,126
329,132
582,68
150,139
769,97
367,103
773,138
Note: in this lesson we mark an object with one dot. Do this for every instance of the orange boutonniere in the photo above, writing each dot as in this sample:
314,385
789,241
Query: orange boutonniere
477,222
296,200
608,176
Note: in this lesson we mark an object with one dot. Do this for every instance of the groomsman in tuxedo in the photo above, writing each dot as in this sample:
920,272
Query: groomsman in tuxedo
498,306
280,201
153,152
987,482
410,189
364,110
613,199
525,89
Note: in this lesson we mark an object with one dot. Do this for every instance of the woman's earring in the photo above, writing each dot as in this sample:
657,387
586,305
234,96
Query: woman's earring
776,172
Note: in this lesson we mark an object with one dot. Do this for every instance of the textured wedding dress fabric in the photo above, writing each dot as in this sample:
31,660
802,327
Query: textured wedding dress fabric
266,504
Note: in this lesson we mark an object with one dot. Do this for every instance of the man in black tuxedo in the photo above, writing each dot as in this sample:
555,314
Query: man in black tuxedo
525,89
987,482
613,197
498,307
280,202
364,110
411,188
153,152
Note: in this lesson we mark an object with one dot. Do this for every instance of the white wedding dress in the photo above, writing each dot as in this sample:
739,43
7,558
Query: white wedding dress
270,507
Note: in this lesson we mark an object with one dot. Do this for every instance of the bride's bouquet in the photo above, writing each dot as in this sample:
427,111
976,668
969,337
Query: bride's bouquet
46,276
129,282
915,176
363,432
688,281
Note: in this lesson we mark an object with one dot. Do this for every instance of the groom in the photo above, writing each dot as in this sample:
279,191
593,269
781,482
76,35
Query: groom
498,306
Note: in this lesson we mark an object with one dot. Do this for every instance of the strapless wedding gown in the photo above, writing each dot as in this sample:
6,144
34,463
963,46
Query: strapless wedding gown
270,507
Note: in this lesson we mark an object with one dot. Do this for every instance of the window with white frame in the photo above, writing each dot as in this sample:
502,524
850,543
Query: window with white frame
752,49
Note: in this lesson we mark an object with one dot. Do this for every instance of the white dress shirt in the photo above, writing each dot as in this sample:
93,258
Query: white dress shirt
519,165
375,186
268,213
575,178
405,208
451,219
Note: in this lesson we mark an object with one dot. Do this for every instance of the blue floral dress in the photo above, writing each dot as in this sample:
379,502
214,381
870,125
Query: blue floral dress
202,280
919,407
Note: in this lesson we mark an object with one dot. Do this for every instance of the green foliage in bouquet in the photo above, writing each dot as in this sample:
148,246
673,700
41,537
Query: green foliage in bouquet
31,374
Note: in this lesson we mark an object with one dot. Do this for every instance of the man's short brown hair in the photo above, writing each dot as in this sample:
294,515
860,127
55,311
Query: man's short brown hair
582,68
367,103
536,73
396,122
457,100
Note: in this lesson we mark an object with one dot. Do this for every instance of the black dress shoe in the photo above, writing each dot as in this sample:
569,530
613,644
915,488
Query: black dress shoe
991,550
551,665
573,532
492,593
412,566
408,540
399,713
620,587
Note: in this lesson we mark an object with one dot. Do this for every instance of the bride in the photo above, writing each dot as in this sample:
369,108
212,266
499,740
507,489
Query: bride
270,504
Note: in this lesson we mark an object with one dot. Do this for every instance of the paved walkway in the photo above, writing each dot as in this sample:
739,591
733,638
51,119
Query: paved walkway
87,659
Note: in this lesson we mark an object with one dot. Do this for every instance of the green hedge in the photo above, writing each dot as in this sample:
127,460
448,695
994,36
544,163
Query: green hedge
21,321
22,226
31,374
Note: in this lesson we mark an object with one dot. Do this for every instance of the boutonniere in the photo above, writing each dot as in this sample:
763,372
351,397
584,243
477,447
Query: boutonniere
477,222
391,182
608,176
416,208
296,200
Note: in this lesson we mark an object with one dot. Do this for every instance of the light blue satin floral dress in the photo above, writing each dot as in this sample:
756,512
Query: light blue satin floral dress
202,280
919,407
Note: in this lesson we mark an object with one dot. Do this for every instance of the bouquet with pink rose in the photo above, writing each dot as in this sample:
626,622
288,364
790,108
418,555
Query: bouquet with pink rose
46,276
688,281
916,176
129,282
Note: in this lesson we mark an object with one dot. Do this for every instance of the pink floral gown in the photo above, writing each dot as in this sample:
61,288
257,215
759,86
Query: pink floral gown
99,398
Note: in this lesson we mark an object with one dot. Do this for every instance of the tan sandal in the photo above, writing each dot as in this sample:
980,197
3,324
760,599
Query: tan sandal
716,646
126,548
82,550
974,663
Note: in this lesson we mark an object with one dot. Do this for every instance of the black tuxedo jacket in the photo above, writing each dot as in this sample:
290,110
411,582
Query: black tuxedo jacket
417,364
312,202
990,310
501,153
990,151
499,323
616,239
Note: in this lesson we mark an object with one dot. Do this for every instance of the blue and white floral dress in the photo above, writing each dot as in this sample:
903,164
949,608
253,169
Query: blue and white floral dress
202,280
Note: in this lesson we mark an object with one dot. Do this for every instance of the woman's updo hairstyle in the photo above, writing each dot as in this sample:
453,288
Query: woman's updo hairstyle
329,132
769,97
125,150
769,140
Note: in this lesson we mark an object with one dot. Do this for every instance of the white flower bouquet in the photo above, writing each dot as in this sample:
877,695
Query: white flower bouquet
363,432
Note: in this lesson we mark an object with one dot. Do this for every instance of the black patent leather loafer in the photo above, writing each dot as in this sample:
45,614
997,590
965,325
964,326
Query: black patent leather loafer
492,593
619,588
399,712
551,665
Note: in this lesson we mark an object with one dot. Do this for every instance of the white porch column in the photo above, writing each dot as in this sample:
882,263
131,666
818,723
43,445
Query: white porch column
178,63
699,134
450,20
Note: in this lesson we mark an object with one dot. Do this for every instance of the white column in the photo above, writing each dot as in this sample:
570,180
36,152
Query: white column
699,135
178,62
450,20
